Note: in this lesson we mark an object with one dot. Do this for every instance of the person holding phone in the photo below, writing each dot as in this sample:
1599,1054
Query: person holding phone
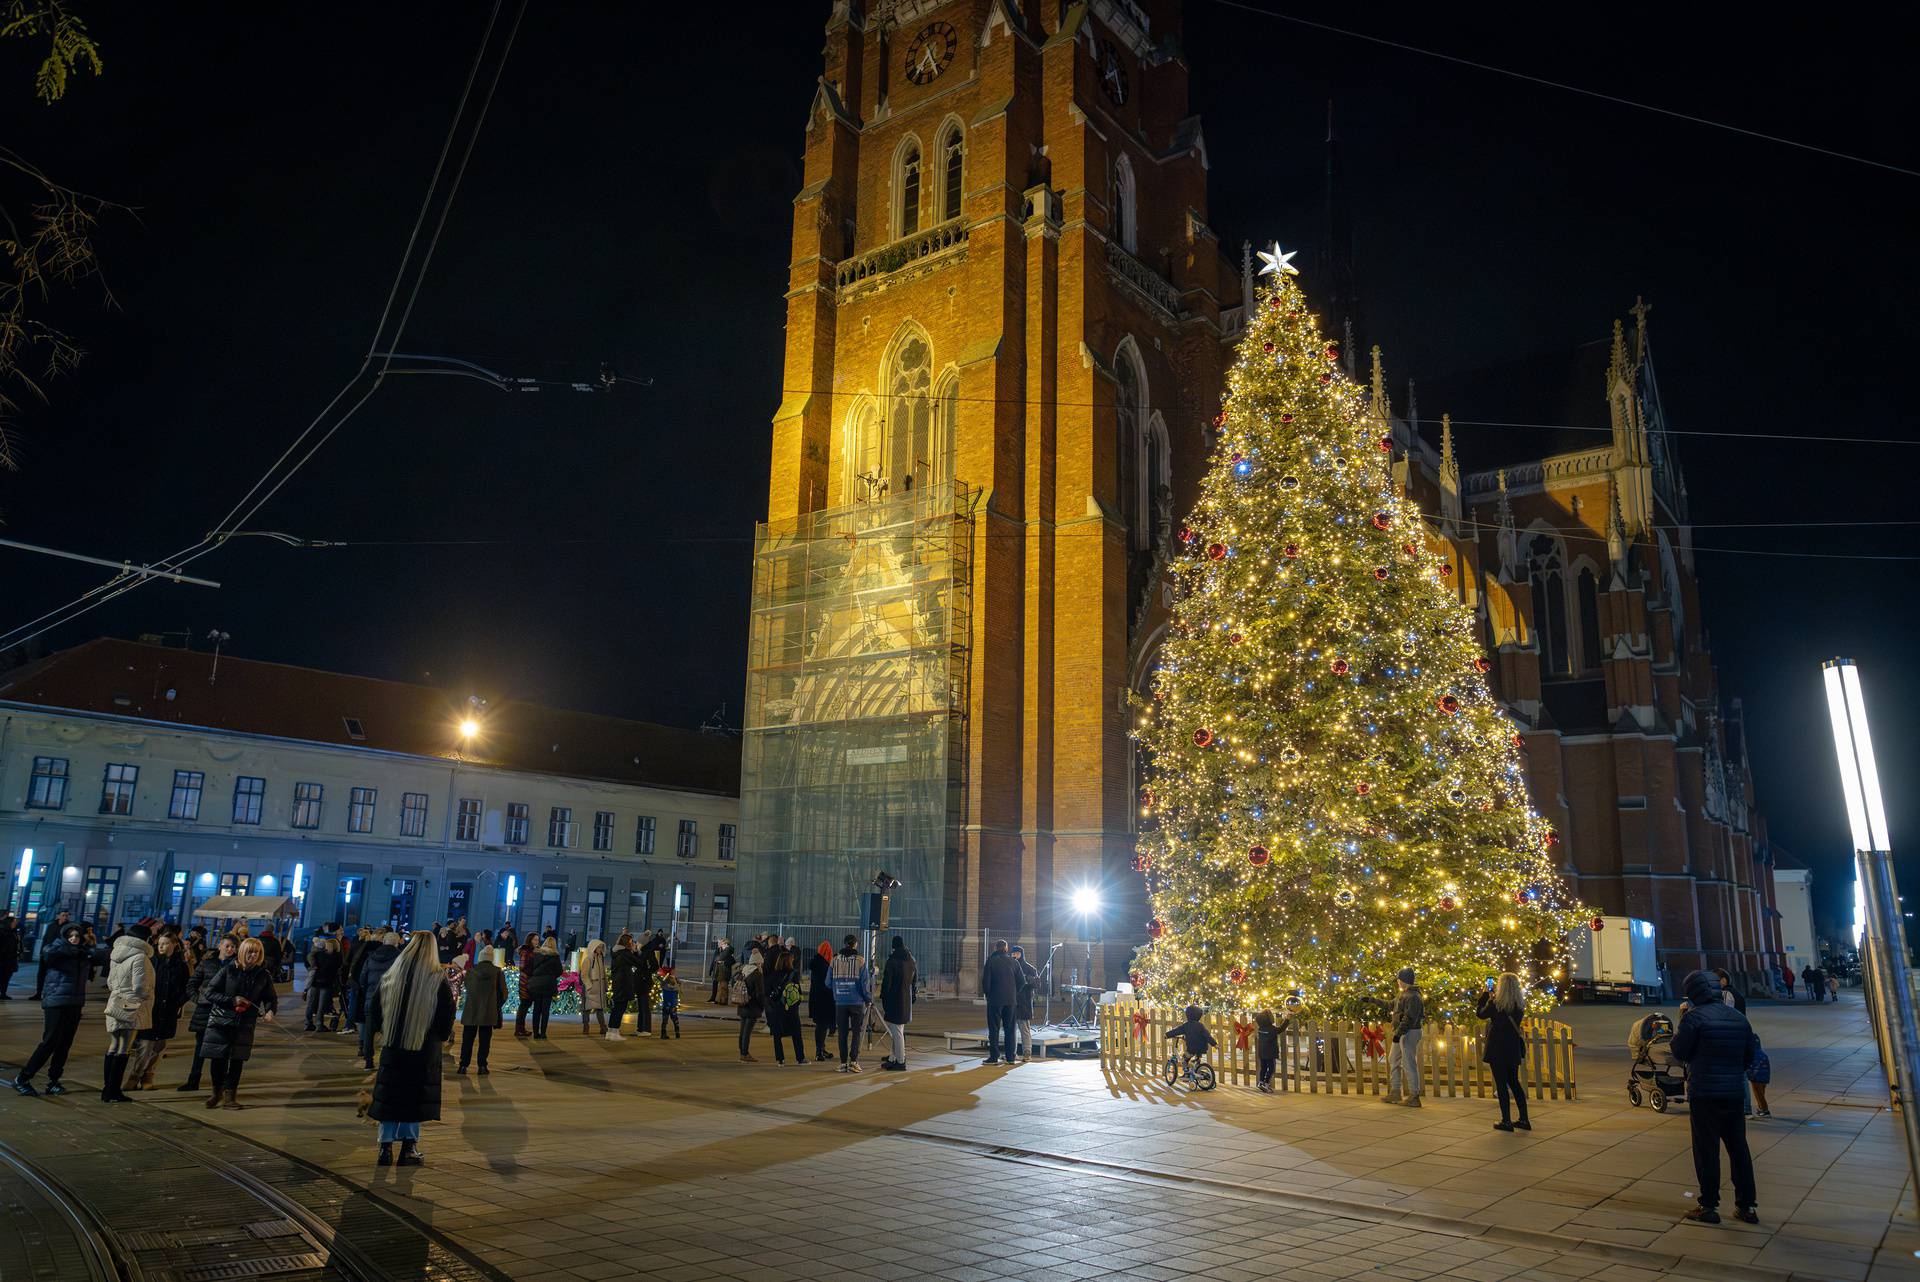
1503,1006
239,997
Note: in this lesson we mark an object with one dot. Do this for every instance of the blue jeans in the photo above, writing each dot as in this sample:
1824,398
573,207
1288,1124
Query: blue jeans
1000,1031
391,1131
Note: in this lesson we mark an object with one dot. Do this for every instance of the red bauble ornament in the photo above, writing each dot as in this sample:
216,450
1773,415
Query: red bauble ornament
1448,704
1326,378
1333,353
1202,737
1141,863
1290,551
1446,569
1234,638
1386,443
1409,549
1268,347
1258,856
1524,897
1448,903
1519,742
1135,979
1236,457
1216,551
1340,668
1187,535
1553,838
1482,665
1363,787
1274,303
1286,418
1598,923
1380,572
1146,797
1237,975
1220,419
1381,520
1156,928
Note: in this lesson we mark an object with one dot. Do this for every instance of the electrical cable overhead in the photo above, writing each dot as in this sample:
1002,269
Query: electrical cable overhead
408,268
1707,121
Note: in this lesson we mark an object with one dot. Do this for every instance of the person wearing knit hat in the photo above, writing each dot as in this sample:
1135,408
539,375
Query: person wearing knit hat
1403,1061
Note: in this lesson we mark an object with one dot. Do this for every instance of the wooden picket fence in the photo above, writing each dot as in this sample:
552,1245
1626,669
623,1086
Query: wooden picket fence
1336,1057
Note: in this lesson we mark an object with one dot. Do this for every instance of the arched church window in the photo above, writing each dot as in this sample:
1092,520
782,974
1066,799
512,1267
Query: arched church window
945,431
1589,594
1546,570
952,167
909,188
1126,443
1124,229
909,446
865,475
1159,485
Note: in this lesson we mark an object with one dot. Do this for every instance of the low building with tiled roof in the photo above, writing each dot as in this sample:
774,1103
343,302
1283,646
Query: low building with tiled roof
141,779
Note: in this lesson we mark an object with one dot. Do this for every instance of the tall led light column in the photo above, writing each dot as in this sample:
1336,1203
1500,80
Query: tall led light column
1867,815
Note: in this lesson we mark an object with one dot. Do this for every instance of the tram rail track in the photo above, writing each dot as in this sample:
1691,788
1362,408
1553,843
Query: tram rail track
100,1249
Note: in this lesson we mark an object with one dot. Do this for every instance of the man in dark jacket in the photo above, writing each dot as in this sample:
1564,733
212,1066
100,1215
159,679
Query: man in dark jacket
896,1002
1000,985
64,964
55,929
1717,1045
379,958
9,955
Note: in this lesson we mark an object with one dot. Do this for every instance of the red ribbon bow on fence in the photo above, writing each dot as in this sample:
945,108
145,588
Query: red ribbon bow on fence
1242,1030
1140,1023
1374,1040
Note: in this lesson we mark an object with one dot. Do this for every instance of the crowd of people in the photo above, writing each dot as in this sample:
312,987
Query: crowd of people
397,995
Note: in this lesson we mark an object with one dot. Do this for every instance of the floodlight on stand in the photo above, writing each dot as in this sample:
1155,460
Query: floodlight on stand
1086,900
887,881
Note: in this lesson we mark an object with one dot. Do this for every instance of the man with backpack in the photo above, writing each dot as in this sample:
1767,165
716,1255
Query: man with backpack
852,989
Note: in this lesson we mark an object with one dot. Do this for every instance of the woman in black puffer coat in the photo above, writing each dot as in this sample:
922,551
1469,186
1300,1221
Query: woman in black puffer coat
170,979
416,1017
198,985
821,1008
241,995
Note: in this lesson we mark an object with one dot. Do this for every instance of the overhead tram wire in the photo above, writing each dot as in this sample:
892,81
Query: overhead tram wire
1707,121
121,584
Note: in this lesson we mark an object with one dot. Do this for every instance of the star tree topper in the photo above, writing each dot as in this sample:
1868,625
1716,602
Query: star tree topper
1277,263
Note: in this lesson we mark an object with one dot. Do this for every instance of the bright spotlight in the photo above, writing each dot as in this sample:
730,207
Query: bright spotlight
1086,901
469,728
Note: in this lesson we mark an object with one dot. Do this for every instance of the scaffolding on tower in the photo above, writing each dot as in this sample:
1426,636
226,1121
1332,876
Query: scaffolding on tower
854,743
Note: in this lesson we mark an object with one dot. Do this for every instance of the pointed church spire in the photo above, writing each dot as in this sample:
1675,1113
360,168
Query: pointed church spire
1413,408
1640,309
1381,409
1450,481
1618,368
1246,279
1509,538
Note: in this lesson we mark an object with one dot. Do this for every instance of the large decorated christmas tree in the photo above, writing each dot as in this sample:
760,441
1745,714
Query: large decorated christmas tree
1331,791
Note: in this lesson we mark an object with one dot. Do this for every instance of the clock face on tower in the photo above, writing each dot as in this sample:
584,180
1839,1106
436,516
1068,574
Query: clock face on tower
931,52
1113,75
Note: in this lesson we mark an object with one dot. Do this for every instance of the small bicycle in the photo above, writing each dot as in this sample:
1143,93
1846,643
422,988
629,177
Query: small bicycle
1196,1073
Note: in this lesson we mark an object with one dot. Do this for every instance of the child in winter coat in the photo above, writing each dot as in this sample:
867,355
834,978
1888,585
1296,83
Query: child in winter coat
1759,1073
1198,1040
669,1003
1266,1039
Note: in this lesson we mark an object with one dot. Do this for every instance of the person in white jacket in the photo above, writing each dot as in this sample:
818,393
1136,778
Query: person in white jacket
129,1006
593,986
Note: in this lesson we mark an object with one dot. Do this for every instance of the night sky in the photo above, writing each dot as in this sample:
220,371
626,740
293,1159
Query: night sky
629,201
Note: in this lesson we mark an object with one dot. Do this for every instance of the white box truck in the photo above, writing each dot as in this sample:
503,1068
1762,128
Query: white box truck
1617,960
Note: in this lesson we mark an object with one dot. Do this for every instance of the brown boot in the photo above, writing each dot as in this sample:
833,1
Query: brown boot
213,1100
232,1100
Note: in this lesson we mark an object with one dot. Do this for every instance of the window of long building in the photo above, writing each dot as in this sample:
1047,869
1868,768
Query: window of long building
1546,573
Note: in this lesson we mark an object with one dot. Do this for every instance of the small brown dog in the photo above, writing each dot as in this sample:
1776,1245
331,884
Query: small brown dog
363,1102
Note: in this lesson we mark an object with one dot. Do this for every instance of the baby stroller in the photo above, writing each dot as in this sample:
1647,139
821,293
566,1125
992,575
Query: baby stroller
1656,1077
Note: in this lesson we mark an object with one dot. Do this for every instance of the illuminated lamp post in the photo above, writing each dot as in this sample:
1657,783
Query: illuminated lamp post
1886,937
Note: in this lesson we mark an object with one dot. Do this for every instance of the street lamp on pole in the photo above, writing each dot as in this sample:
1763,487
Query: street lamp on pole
1894,1012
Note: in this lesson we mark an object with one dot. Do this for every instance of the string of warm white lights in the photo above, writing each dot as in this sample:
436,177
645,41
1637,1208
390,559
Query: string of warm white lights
1333,790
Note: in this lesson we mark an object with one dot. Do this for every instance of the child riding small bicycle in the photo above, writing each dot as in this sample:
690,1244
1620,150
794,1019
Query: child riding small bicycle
1198,1040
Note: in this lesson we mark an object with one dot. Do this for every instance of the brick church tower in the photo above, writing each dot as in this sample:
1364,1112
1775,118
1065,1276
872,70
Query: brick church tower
1007,328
